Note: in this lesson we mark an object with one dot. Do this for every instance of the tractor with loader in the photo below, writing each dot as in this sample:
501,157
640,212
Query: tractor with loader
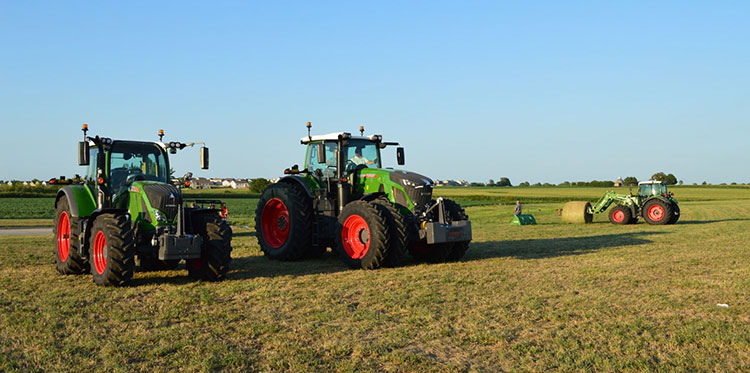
127,209
654,203
343,198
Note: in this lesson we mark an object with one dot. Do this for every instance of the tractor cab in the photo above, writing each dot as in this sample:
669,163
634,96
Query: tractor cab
652,188
116,167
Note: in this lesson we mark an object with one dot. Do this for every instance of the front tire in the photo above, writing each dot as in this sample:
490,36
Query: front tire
363,235
657,212
66,241
216,251
620,215
399,236
111,250
283,222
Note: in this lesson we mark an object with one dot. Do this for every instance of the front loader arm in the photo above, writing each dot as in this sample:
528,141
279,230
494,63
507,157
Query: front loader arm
603,203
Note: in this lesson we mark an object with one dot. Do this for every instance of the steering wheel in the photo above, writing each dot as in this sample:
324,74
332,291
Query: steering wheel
349,166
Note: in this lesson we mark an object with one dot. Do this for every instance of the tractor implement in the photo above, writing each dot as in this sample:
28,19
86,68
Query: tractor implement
654,203
371,216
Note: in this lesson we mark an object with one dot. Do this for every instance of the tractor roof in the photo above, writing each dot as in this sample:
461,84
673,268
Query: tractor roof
651,182
335,136
109,141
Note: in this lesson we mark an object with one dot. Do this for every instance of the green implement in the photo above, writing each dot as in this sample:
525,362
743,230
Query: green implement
523,220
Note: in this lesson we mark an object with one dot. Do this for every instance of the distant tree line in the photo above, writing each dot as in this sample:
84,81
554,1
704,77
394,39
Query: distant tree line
670,179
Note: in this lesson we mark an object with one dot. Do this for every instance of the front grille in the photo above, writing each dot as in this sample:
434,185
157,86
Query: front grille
166,198
420,196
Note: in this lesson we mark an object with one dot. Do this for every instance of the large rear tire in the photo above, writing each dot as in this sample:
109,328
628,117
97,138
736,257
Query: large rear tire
620,215
216,251
111,249
657,212
66,241
283,222
362,238
399,236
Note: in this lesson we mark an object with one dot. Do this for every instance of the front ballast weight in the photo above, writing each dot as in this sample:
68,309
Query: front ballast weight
443,230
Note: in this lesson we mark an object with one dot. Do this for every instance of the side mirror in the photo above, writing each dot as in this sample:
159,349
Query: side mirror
83,153
400,156
321,148
204,158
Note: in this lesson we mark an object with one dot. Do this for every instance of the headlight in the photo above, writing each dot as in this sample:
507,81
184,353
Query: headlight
159,216
408,183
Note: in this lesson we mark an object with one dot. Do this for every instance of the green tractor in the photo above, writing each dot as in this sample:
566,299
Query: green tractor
127,209
654,203
371,216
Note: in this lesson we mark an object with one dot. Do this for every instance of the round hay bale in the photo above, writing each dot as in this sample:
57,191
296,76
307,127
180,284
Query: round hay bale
577,212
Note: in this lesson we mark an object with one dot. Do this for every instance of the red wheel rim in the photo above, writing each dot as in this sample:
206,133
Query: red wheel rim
100,252
656,213
63,236
618,216
274,223
355,235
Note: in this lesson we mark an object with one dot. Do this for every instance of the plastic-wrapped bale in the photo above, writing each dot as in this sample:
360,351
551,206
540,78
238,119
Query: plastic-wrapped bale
577,212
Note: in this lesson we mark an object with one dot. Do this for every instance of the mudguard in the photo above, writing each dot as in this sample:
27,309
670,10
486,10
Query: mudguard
297,181
79,198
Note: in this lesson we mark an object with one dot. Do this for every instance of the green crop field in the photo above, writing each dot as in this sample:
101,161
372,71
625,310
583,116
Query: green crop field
544,297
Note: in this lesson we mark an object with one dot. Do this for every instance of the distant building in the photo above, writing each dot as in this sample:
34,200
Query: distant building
240,183
200,183
619,182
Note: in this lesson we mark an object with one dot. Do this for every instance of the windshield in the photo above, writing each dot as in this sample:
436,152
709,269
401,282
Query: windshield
653,189
129,162
361,153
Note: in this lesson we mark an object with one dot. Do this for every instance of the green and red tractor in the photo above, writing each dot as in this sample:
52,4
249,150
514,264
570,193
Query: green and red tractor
654,203
128,209
371,216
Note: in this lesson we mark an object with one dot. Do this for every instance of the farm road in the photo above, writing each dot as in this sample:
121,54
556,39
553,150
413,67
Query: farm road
24,231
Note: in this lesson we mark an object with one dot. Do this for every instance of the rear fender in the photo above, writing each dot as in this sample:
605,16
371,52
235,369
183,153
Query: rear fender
297,181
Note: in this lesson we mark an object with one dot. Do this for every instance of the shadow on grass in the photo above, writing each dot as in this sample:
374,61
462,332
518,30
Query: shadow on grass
260,266
552,247
249,267
689,222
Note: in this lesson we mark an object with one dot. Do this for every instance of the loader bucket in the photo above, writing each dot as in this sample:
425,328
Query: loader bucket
577,212
523,220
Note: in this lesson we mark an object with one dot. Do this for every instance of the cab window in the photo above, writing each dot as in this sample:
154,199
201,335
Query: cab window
327,169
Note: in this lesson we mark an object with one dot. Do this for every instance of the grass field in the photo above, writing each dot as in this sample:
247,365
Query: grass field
550,296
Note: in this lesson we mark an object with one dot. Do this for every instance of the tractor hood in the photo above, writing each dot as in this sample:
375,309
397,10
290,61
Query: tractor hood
158,200
408,189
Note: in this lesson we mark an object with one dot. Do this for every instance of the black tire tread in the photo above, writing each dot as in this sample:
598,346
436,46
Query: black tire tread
74,264
667,212
626,210
399,236
120,249
379,235
299,205
216,250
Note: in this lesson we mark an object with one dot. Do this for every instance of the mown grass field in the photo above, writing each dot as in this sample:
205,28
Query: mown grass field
544,297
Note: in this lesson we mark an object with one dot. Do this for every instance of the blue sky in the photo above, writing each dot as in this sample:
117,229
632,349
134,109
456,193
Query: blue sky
533,91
